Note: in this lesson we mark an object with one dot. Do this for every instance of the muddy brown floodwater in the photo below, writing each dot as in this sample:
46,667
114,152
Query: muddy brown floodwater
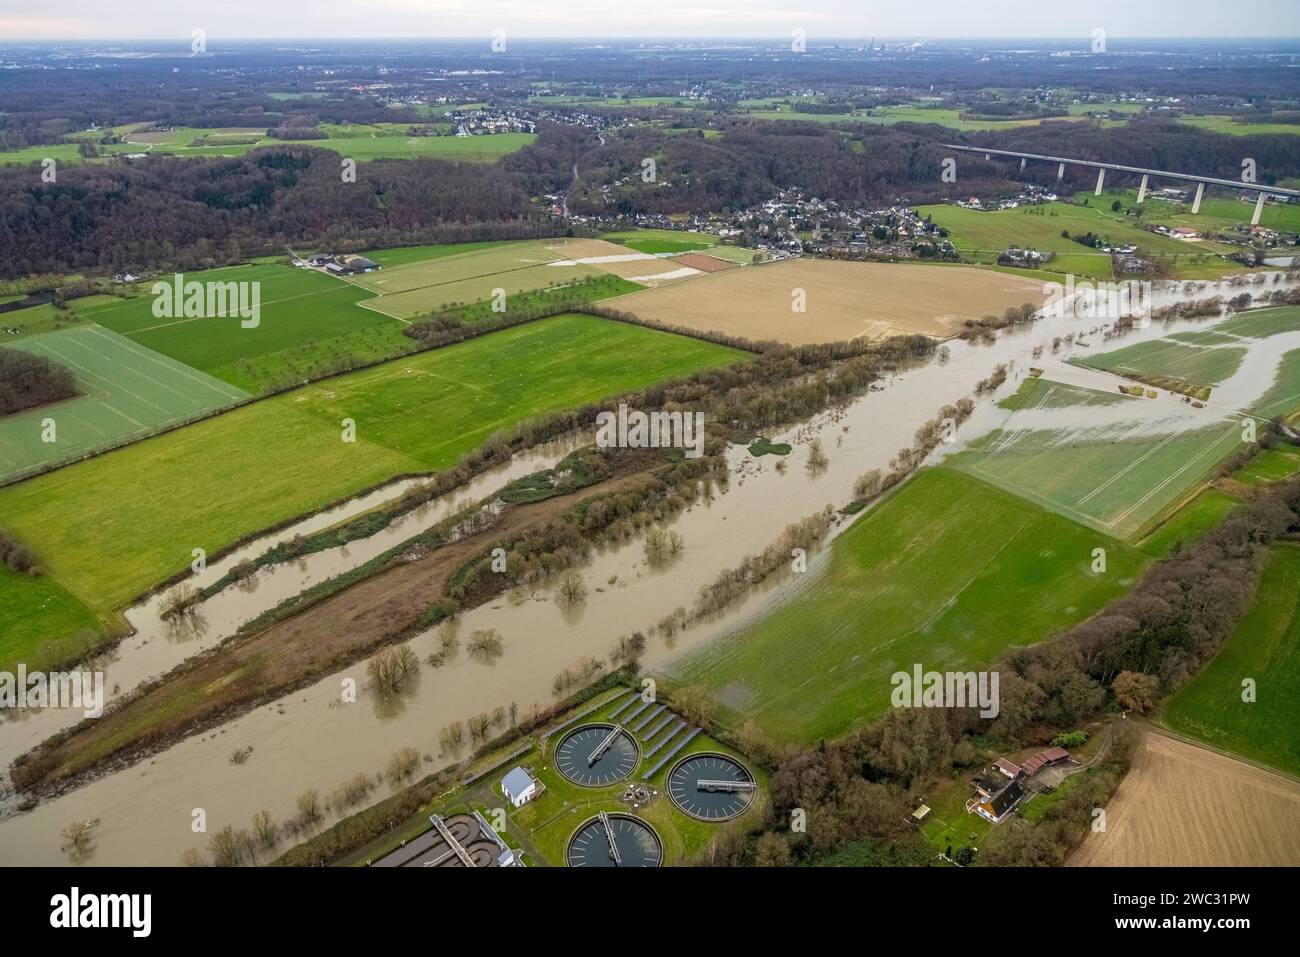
310,739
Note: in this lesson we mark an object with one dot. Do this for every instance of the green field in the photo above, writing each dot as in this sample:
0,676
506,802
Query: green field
35,320
33,610
1039,393
981,235
126,392
306,319
1115,478
112,527
419,287
1261,323
361,142
1170,365
1226,124
1204,512
656,241
402,255
595,289
947,572
1272,465
1216,213
1264,647
735,254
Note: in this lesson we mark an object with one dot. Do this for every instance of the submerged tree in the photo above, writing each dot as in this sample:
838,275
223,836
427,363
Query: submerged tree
573,590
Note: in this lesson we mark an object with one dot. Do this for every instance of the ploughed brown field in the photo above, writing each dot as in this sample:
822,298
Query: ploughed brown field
844,300
1181,805
703,262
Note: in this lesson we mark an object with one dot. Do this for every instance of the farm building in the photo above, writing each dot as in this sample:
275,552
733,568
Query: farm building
358,264
1009,768
1045,758
519,787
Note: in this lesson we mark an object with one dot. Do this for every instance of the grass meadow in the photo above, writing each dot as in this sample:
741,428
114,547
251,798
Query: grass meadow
298,307
126,392
32,610
1166,364
948,572
658,241
1115,478
982,235
1216,212
1265,648
362,143
111,527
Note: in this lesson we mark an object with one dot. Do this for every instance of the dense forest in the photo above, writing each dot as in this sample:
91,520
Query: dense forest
28,380
187,213
175,213
160,213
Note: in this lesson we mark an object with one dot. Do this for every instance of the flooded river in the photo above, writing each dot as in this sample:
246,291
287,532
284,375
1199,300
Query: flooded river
310,739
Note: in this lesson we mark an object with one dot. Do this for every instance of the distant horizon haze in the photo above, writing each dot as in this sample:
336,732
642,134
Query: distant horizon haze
686,20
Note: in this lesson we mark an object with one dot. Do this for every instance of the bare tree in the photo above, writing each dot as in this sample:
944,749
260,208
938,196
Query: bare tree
309,810
78,839
230,848
265,830
485,644
817,460
573,590
402,765
390,669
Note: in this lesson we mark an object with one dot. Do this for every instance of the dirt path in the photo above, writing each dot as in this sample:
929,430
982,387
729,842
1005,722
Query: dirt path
247,671
1182,805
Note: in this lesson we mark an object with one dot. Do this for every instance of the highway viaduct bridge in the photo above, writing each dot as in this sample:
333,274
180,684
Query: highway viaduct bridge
1101,168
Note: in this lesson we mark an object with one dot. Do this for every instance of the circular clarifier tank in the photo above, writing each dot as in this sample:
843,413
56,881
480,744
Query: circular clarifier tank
587,757
594,843
710,786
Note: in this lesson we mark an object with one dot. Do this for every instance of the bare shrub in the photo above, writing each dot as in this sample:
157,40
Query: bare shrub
485,644
390,669
402,765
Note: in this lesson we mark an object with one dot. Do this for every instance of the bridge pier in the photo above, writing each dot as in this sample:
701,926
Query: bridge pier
1259,208
1142,190
1022,164
1196,203
1101,181
1060,172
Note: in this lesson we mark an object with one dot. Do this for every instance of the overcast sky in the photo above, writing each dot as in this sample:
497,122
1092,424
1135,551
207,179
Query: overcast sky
569,19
